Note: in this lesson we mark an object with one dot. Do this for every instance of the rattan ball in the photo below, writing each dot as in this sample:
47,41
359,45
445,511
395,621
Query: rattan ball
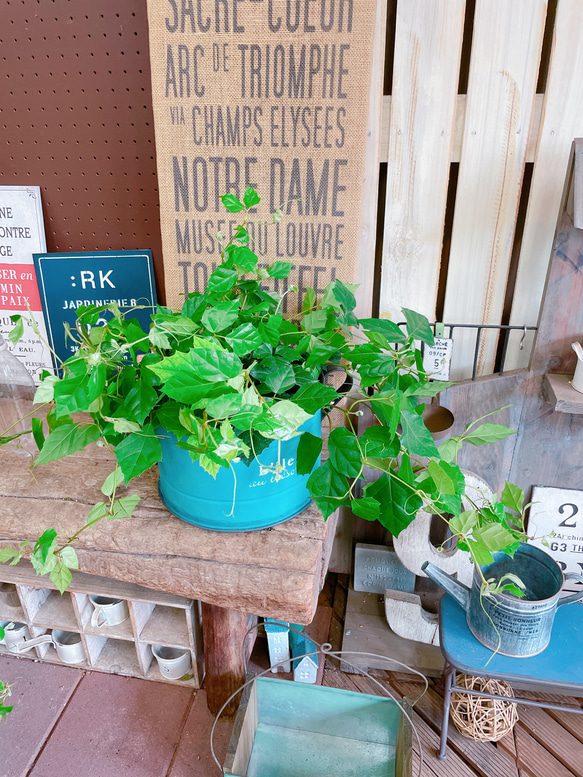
485,720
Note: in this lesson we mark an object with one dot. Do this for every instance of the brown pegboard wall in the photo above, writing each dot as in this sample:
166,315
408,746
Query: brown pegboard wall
76,119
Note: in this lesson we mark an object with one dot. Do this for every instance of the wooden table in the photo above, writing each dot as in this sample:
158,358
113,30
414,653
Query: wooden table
275,572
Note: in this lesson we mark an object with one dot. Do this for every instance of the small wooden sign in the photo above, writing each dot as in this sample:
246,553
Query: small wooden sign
22,233
68,281
377,568
556,516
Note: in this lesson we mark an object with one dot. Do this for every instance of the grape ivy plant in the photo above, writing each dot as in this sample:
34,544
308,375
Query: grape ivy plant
229,373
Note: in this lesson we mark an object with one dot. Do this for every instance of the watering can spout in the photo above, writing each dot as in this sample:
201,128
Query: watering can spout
459,591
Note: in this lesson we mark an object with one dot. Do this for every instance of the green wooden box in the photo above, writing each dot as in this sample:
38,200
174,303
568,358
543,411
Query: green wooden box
289,729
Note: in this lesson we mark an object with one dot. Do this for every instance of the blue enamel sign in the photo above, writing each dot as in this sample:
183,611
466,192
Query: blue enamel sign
67,281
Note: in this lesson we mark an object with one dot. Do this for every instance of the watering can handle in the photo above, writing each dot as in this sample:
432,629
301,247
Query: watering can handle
572,597
33,643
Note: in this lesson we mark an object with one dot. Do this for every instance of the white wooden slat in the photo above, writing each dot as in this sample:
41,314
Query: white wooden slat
368,234
562,121
504,66
458,132
428,42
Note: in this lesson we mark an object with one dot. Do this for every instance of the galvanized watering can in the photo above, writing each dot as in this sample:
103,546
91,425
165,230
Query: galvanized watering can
501,621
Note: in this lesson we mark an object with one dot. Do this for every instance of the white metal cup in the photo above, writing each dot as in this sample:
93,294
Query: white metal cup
108,612
67,644
173,663
15,634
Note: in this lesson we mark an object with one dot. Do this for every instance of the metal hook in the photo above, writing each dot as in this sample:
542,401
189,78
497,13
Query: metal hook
521,346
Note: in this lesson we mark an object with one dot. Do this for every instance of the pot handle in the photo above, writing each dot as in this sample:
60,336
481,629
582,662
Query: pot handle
572,597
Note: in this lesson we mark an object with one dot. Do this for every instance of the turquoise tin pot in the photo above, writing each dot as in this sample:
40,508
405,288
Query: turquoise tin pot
260,500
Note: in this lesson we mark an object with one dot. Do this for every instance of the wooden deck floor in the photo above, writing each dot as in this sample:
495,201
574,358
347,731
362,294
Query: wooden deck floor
543,743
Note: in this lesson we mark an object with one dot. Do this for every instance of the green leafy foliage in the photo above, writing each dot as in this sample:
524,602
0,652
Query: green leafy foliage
232,371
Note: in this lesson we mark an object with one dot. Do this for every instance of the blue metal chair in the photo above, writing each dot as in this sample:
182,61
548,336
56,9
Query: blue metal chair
558,669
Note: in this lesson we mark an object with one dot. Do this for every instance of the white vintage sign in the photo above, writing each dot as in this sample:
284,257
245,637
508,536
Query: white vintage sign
21,235
556,523
437,358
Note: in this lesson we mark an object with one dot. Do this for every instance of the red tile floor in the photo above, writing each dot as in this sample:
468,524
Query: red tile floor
70,723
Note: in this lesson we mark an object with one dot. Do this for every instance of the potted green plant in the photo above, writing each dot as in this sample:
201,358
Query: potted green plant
229,381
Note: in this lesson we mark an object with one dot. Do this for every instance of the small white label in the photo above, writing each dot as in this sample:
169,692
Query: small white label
437,358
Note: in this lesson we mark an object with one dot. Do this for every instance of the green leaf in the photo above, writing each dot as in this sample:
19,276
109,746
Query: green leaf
277,374
112,481
245,259
280,269
69,557
464,522
159,339
244,339
225,406
38,432
45,543
67,439
427,389
366,507
123,425
61,576
377,441
488,433
138,452
17,331
46,391
418,326
222,280
388,329
440,477
314,396
123,507
344,452
480,555
325,481
289,418
215,365
221,316
343,293
494,536
512,497
251,198
140,401
309,449
416,437
97,512
398,504
232,204
8,554
449,448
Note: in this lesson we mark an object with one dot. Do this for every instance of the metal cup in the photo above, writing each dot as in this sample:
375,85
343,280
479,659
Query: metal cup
9,595
173,663
15,634
67,644
108,612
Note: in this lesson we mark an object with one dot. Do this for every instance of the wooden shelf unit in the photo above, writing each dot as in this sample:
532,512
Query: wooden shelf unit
156,618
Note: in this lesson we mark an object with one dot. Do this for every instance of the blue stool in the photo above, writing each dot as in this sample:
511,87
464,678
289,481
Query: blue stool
558,669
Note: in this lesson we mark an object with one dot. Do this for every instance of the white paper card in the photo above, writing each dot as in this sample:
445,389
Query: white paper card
437,358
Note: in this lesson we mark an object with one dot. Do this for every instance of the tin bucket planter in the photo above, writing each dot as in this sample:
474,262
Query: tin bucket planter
296,730
240,498
509,625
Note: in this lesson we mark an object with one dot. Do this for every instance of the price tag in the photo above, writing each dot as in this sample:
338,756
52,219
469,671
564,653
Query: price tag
437,358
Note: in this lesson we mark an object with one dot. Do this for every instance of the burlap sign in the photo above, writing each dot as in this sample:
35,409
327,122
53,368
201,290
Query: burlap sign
272,94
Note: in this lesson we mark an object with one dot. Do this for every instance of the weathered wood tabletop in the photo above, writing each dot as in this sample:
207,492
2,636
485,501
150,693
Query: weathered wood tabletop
275,572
